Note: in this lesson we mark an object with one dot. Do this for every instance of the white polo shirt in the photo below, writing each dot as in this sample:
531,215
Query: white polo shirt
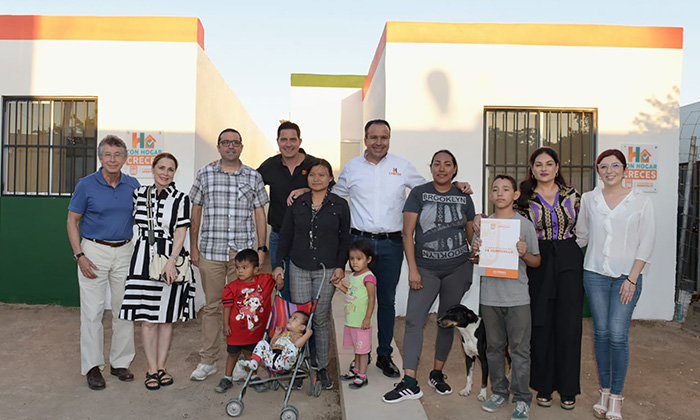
377,192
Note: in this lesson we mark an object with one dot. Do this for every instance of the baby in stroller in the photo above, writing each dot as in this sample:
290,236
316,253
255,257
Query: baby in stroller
281,353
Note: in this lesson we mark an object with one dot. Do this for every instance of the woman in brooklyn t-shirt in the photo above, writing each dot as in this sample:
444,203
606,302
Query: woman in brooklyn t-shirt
440,216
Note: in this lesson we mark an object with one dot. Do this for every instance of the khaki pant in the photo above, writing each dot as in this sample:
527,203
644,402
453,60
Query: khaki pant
215,275
112,269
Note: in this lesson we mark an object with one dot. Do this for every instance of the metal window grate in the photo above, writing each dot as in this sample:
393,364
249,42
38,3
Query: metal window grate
512,134
48,144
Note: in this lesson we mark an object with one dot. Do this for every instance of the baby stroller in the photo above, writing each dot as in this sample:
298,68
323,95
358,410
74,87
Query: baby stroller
280,313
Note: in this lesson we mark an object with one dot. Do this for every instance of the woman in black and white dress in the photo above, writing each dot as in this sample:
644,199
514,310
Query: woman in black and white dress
159,303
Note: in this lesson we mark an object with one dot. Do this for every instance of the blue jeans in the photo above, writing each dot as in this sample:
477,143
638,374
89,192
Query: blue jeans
274,242
389,255
611,325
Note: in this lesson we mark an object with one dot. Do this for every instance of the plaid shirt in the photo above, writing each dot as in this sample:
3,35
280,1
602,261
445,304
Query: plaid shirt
228,202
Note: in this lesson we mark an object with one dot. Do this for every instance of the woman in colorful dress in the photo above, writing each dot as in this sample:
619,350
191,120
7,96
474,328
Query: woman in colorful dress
556,286
617,223
159,303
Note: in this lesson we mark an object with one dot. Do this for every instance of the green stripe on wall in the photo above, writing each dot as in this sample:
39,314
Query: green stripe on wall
35,257
328,80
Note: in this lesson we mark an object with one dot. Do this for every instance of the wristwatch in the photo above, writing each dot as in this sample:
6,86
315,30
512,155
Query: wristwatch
263,248
78,255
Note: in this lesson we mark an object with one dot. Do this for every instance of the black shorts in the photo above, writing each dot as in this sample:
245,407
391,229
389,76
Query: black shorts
236,349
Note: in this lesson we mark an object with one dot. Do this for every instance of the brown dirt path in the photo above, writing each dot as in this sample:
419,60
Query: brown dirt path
663,380
40,377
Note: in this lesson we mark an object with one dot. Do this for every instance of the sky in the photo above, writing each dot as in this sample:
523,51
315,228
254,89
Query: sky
257,45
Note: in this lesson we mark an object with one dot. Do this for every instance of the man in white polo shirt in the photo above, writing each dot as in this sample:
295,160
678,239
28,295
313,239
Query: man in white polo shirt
376,183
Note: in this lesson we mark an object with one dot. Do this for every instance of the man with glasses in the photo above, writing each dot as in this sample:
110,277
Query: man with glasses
100,227
227,204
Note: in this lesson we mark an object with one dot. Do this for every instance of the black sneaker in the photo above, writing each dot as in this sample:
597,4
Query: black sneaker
402,392
224,385
260,386
387,366
351,375
359,382
325,379
437,381
298,383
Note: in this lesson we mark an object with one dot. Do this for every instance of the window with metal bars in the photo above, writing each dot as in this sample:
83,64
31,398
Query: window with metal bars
48,144
512,134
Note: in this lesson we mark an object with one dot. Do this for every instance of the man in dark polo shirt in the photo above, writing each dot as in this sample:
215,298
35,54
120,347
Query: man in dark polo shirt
100,212
285,173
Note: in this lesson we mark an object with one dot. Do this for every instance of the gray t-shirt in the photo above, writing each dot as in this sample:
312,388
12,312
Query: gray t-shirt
441,238
512,292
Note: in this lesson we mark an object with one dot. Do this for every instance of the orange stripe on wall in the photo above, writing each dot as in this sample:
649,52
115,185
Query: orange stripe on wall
536,34
375,62
102,28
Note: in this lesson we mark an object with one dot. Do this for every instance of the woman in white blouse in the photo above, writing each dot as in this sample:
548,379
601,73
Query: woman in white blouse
617,224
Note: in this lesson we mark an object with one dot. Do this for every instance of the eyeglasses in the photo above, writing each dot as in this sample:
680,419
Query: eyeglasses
603,167
227,143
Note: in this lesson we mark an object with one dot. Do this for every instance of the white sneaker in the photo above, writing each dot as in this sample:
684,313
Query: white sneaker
239,373
202,372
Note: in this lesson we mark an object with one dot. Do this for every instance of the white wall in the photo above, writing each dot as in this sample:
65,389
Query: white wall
217,108
435,96
140,86
317,111
169,88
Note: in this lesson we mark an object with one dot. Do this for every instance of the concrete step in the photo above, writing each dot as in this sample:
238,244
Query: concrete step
367,401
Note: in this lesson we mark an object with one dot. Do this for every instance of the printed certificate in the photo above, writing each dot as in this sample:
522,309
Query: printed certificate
498,255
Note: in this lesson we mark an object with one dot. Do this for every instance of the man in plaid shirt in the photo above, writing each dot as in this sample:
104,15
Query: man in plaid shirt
226,197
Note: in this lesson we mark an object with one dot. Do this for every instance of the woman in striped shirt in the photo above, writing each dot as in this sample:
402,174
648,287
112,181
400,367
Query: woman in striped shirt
159,303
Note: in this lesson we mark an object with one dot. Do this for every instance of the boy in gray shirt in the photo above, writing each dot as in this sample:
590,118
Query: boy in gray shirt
505,310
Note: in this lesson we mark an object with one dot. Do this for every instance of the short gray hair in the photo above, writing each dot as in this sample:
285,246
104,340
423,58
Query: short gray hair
111,140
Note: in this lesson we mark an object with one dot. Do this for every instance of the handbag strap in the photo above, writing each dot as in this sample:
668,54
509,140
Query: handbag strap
149,207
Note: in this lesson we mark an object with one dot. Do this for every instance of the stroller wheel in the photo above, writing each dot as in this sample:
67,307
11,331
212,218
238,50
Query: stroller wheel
289,413
234,408
275,384
317,389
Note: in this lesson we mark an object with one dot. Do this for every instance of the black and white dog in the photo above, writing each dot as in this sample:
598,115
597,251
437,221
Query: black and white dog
471,328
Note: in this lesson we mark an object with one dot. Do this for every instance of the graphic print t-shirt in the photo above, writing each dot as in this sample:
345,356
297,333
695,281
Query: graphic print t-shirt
441,237
250,304
357,298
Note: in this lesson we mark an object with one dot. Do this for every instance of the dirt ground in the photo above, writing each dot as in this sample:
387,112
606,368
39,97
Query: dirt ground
662,380
40,376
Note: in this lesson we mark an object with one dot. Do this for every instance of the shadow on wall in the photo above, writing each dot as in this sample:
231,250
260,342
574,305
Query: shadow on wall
664,117
439,88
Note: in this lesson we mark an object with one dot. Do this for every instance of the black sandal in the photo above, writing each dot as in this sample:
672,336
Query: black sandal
568,403
544,400
164,378
152,383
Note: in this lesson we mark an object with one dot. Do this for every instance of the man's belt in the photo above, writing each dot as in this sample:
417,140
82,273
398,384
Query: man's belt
113,244
376,236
